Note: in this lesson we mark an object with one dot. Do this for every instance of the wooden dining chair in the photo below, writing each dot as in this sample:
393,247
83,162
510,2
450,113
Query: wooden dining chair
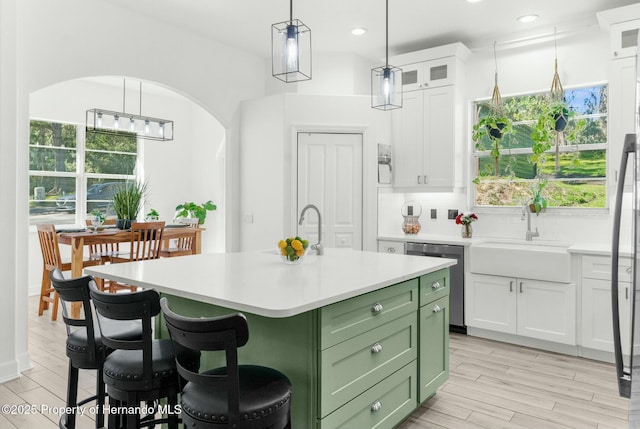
183,245
145,243
102,252
51,259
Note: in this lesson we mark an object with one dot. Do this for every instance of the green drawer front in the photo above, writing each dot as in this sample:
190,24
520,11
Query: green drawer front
353,366
434,347
434,286
346,319
395,396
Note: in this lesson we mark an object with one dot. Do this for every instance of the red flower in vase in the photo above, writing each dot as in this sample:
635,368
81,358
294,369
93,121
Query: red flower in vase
466,218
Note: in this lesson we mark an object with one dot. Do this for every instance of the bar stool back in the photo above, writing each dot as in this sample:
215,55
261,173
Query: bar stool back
235,396
85,348
140,370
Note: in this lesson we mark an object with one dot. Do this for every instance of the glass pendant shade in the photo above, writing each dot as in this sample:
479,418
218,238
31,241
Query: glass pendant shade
386,88
291,51
109,122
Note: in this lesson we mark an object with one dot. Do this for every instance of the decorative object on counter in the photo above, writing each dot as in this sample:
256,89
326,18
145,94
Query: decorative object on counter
411,212
152,216
193,210
97,219
386,81
103,121
292,249
537,202
494,123
291,50
465,219
127,202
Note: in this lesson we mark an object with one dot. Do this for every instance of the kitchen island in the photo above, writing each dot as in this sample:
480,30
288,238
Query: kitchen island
362,336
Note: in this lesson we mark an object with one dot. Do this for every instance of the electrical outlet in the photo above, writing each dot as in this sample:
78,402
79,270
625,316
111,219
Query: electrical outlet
434,213
451,214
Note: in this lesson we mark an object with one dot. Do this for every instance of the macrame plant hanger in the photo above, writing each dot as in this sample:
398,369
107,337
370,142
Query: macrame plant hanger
495,106
556,94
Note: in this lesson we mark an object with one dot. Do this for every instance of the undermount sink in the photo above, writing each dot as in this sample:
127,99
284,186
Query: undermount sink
541,260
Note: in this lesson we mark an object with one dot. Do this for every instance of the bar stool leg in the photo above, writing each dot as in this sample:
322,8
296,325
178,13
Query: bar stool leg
100,394
72,397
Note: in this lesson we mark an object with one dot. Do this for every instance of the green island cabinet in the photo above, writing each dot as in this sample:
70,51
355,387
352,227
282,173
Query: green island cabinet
365,362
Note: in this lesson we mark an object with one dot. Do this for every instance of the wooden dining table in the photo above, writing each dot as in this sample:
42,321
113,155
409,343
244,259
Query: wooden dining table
78,241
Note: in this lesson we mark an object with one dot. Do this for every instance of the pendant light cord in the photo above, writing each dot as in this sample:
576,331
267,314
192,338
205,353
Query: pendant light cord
140,98
124,93
495,60
387,35
291,12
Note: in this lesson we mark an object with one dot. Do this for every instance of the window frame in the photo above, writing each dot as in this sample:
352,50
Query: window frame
80,176
570,148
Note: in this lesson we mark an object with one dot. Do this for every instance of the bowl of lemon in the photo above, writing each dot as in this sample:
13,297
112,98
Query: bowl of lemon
292,249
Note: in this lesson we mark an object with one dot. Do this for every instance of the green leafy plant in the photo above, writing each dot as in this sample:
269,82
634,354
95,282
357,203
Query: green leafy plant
152,215
98,215
494,127
195,210
127,201
538,202
550,124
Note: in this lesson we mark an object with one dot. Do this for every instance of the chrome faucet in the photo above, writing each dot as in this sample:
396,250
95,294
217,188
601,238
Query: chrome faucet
318,246
530,234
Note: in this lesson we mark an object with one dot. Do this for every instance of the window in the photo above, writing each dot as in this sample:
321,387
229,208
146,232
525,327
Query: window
71,174
575,173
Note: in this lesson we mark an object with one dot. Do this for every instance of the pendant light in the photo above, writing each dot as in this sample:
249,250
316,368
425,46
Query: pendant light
291,49
103,121
386,82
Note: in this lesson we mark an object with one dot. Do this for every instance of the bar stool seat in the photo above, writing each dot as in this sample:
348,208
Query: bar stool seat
263,392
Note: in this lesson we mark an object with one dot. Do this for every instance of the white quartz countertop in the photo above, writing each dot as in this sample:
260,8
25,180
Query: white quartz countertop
260,283
429,238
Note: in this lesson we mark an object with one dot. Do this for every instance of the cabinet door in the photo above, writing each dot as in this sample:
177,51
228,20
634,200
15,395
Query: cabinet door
439,72
424,133
439,133
408,141
547,310
597,323
491,303
412,78
434,347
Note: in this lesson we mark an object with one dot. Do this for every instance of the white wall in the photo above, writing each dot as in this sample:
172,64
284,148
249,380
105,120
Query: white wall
269,129
582,59
185,169
43,43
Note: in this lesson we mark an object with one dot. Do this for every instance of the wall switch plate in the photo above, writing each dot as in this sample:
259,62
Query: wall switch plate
434,213
451,214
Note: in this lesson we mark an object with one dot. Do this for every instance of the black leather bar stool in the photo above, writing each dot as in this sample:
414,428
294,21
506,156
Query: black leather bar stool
85,348
141,370
235,396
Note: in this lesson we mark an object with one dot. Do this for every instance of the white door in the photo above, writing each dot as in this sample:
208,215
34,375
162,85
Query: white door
330,177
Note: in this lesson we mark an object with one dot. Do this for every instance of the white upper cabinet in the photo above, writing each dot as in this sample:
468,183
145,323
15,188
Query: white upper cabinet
427,131
428,74
623,24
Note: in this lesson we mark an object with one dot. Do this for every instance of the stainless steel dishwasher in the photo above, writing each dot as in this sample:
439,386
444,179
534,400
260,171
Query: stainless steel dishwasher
456,293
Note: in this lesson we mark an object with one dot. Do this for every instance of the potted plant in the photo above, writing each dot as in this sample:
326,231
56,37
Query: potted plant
153,215
193,210
552,122
538,202
127,202
494,126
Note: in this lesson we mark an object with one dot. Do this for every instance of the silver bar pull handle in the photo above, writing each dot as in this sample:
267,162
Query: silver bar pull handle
624,377
511,286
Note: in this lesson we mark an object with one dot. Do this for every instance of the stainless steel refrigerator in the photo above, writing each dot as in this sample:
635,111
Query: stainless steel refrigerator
626,347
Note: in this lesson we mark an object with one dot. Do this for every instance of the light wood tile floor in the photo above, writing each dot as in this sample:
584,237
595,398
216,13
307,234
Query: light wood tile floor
492,385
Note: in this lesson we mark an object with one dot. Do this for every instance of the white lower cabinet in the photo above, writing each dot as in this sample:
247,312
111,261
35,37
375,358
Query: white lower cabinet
530,308
597,322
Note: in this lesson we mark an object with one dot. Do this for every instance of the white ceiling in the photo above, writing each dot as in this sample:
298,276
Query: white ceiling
413,24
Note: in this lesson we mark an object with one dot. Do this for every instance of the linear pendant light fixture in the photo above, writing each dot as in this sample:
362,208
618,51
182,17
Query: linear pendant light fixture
291,49
103,121
386,82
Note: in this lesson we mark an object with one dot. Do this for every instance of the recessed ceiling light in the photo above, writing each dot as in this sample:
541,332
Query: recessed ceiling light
358,31
474,1
528,18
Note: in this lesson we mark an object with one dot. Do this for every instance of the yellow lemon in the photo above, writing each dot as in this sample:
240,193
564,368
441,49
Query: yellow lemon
282,244
300,252
297,244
